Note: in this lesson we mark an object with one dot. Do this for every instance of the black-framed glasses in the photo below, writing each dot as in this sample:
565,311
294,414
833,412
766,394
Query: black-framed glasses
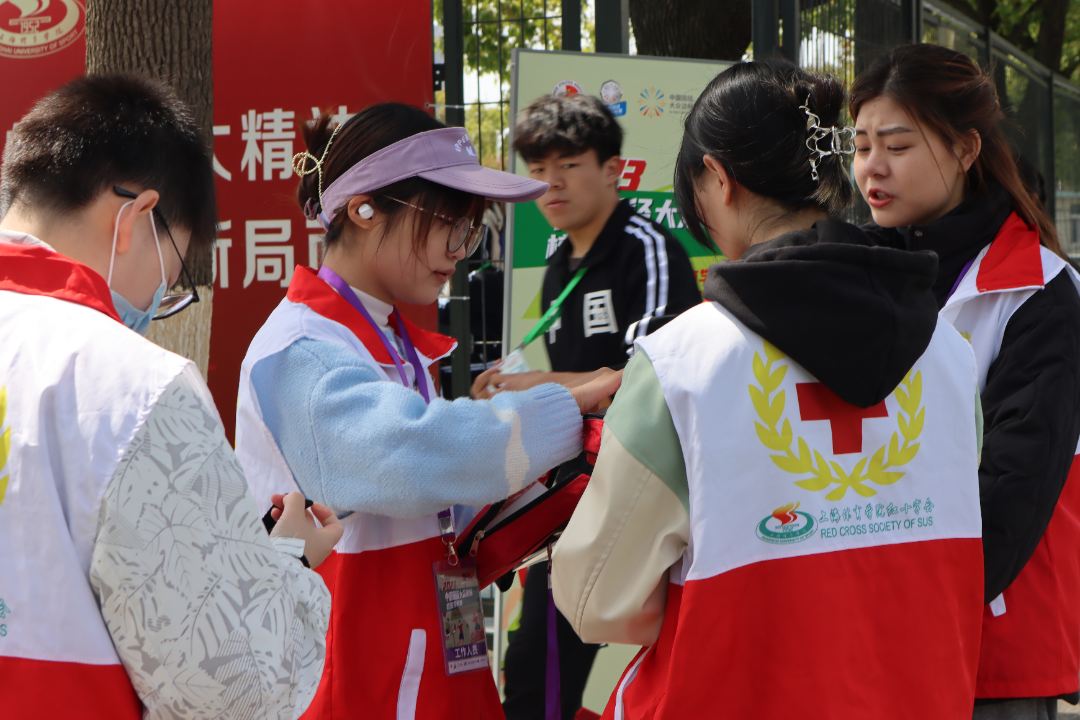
462,231
174,303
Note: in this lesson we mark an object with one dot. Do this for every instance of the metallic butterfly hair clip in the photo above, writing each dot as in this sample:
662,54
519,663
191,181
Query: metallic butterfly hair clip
841,140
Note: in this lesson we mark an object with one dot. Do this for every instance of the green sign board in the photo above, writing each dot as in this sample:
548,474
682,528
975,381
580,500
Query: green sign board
650,98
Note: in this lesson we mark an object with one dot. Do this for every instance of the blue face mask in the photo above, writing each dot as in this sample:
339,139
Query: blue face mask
136,319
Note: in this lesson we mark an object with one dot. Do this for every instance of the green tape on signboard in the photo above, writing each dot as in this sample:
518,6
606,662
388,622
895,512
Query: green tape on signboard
650,97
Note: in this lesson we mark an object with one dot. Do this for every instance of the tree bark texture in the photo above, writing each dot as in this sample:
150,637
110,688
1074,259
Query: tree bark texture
1047,48
702,29
1051,42
171,41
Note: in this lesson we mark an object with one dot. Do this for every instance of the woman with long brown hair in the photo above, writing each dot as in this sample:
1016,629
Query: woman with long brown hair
938,173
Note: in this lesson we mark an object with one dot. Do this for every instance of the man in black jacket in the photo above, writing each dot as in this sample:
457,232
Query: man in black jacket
632,277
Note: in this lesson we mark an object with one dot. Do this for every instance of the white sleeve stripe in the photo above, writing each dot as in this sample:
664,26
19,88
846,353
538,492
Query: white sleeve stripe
650,267
630,333
662,262
643,327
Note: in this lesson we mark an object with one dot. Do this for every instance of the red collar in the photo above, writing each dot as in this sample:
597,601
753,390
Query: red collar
1014,259
309,289
40,270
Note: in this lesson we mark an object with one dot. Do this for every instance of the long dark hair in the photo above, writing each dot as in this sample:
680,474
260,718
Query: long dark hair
749,119
361,135
948,93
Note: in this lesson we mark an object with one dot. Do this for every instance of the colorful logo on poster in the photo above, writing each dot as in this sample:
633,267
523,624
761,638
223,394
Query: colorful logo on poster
786,525
32,28
611,94
566,87
652,102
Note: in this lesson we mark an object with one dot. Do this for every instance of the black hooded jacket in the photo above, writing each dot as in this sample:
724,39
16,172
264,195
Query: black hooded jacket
856,317
1031,401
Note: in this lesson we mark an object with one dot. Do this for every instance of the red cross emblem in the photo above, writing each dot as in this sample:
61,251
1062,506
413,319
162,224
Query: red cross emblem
817,402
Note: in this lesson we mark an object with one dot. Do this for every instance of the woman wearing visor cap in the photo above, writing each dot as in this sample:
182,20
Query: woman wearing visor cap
336,400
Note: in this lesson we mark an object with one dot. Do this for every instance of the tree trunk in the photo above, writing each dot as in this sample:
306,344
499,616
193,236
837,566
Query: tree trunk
1051,40
173,42
702,29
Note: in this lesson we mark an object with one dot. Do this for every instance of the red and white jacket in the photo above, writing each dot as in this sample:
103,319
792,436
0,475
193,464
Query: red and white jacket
1031,633
384,653
75,387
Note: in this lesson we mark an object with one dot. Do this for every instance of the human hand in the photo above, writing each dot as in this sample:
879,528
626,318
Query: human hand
479,390
589,395
294,521
491,382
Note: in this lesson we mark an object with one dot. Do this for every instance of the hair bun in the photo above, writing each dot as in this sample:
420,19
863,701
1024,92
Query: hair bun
827,97
316,134
750,118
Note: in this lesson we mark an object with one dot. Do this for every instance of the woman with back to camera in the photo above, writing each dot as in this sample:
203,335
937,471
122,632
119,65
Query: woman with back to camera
939,175
336,400
784,508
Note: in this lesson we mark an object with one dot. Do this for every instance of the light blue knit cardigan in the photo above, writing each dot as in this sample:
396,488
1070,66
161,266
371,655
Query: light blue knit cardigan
356,442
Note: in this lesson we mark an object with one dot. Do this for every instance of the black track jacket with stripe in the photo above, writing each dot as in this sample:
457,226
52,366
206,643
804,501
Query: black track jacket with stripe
639,277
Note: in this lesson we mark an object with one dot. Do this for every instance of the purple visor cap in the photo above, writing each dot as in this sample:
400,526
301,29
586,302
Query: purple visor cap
445,156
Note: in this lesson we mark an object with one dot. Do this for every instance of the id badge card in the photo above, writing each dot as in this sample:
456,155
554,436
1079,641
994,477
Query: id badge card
461,617
514,363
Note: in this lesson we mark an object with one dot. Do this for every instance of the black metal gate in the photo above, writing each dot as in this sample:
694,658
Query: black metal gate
473,41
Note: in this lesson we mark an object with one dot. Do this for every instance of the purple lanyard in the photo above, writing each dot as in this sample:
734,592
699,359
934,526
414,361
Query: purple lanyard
552,689
334,280
446,520
960,279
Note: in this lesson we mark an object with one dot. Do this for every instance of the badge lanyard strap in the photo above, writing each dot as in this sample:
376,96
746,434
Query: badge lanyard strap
554,311
963,273
334,280
552,684
446,520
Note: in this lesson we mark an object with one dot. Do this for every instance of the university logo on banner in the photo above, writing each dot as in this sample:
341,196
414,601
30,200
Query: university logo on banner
31,28
786,525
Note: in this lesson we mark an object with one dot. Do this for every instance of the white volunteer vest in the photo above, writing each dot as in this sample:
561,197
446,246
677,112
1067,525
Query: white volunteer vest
79,386
981,316
777,469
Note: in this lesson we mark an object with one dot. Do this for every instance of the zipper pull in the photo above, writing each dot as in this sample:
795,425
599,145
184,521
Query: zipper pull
476,544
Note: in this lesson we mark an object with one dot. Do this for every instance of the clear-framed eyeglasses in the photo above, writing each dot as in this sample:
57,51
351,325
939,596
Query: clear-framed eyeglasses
174,303
462,231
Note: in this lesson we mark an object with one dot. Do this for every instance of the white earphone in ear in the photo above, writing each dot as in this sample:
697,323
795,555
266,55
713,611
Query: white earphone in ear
365,211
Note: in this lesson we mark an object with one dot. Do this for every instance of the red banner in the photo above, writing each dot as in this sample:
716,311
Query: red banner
276,65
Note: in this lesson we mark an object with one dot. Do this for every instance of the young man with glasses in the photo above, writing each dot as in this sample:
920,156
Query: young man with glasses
620,277
136,575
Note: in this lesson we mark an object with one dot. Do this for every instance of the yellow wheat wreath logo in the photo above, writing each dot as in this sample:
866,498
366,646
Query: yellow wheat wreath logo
5,442
823,473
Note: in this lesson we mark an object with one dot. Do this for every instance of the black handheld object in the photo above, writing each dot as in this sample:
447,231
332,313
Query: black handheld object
268,520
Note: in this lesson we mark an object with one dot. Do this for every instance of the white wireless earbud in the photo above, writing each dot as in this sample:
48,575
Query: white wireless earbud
365,211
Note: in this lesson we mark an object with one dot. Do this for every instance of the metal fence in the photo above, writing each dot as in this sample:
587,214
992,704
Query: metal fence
473,42
1067,165
491,30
